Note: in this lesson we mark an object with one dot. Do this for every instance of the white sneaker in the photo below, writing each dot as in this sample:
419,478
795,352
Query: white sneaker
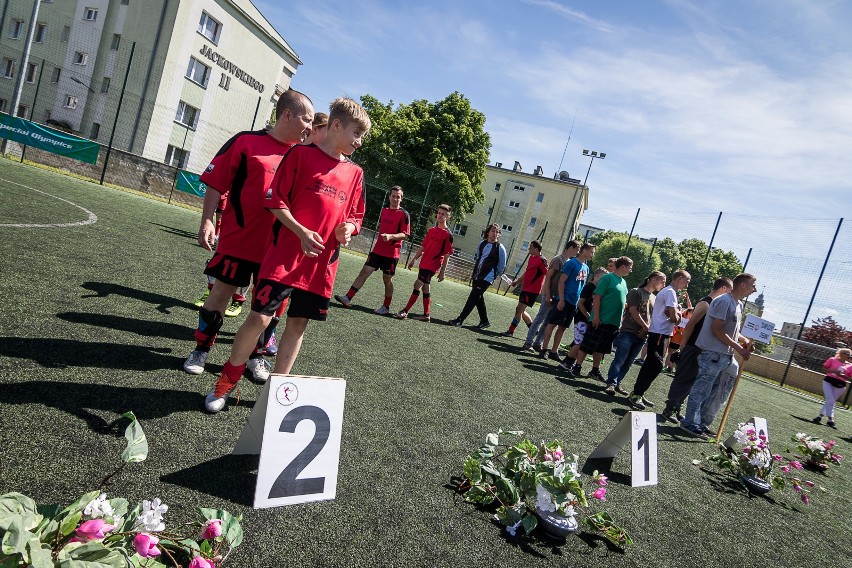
343,300
194,364
382,311
259,369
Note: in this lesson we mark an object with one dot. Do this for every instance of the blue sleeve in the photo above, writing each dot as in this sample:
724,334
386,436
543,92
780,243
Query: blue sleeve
501,264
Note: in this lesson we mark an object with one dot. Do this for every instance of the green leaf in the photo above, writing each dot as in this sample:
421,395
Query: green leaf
489,468
119,507
137,444
40,554
80,503
130,519
69,523
506,491
472,470
479,494
530,523
93,555
15,537
492,439
18,506
232,530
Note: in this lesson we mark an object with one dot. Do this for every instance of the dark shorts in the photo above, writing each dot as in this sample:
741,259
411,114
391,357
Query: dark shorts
384,263
270,295
563,317
599,339
425,276
674,346
232,270
528,298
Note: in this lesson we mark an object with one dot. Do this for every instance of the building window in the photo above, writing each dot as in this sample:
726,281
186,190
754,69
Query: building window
105,86
80,58
490,210
533,221
32,68
90,14
17,29
3,104
22,111
497,187
70,101
8,68
54,78
518,266
176,157
459,229
125,2
197,72
41,31
66,33
187,115
507,228
540,198
514,204
525,245
96,129
116,41
519,188
209,28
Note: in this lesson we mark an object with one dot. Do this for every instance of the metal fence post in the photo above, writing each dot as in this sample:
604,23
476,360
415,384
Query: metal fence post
630,237
118,111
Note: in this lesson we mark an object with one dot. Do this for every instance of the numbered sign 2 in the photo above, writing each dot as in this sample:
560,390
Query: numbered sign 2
300,451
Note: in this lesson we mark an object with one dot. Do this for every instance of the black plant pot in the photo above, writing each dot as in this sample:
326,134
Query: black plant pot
755,485
555,525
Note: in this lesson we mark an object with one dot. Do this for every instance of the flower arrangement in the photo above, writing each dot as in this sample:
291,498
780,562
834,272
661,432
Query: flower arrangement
816,452
100,532
753,463
535,483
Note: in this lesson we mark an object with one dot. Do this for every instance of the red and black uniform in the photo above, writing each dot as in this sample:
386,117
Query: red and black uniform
436,245
385,254
320,192
533,280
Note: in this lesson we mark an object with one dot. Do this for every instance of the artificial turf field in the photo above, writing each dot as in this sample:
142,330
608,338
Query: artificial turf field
98,318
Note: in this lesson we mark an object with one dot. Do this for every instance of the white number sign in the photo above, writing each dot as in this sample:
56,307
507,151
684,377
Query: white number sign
639,429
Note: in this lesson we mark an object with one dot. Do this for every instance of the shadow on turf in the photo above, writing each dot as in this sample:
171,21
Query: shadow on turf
163,303
62,353
224,477
134,325
176,231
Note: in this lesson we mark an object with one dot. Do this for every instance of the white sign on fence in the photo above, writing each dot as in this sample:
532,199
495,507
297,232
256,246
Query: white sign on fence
758,329
639,429
296,427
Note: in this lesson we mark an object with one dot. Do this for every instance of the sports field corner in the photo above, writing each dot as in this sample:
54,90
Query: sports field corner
98,286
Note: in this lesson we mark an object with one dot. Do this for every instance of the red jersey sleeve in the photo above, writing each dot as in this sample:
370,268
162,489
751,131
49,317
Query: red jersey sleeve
278,196
222,169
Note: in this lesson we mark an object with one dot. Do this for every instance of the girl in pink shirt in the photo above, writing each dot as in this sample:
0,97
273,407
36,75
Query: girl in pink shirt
838,373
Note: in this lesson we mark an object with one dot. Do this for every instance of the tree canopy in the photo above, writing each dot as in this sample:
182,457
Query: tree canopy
436,147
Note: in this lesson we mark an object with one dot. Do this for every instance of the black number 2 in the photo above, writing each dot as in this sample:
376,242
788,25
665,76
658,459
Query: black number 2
286,485
643,443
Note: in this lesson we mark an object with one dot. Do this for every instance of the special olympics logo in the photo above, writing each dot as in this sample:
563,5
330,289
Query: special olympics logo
287,394
341,196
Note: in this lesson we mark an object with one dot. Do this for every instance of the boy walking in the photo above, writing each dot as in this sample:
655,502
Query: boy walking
435,251
533,278
317,198
550,290
243,169
571,282
394,227
490,262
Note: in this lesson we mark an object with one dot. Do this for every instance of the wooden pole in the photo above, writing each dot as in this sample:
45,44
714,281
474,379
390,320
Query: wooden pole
730,400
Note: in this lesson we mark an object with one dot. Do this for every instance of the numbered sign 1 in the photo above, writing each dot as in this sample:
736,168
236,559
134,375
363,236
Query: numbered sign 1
300,425
639,430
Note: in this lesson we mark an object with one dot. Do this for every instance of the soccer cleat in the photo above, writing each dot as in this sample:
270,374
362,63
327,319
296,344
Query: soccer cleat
831,424
216,399
596,374
694,432
194,364
259,369
380,311
668,415
424,318
507,334
576,370
271,347
343,299
200,301
647,402
817,420
401,315
536,347
234,309
636,402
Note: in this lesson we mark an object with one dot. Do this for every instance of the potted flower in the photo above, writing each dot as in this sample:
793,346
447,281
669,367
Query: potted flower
752,462
817,454
536,485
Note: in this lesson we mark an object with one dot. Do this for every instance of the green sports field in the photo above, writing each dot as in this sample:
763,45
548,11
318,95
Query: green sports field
97,317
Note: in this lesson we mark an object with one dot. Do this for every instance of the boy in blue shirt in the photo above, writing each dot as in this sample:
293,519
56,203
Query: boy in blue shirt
571,282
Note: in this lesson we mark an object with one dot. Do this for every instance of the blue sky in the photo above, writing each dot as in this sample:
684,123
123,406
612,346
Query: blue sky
743,107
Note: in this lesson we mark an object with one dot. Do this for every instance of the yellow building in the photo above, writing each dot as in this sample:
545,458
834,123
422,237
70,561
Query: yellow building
527,206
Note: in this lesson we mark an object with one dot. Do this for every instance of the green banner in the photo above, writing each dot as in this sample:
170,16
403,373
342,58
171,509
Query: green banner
48,139
188,182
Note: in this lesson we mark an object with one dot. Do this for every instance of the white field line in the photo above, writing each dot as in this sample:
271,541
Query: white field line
92,218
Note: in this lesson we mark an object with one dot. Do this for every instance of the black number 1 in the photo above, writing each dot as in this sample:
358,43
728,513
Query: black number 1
286,485
643,443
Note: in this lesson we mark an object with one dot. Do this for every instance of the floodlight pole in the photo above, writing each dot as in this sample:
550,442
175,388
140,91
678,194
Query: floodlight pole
593,155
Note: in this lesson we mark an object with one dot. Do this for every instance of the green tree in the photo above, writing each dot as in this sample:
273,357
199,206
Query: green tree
719,263
440,148
670,257
611,244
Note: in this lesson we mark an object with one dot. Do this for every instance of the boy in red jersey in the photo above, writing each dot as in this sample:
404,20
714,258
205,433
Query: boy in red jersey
394,227
435,250
533,278
317,198
243,168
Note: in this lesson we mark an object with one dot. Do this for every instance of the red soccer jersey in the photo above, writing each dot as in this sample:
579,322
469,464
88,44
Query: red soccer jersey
437,244
243,169
392,221
321,193
534,275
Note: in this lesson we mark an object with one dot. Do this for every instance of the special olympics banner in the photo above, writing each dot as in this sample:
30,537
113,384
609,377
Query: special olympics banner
48,139
188,182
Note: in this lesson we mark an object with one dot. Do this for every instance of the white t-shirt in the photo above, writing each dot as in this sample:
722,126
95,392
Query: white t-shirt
667,298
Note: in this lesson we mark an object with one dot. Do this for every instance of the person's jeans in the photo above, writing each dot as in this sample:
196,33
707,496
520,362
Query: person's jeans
627,346
710,367
720,393
535,335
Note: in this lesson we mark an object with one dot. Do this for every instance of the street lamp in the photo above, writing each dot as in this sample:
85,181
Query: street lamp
593,154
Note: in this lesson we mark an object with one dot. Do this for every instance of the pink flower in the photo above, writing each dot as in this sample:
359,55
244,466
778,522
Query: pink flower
830,444
601,480
746,450
785,468
93,530
797,488
810,483
557,454
600,494
201,562
796,464
212,529
778,457
146,545
805,499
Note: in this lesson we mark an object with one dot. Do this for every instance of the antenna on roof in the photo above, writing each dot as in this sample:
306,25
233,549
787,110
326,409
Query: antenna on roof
559,169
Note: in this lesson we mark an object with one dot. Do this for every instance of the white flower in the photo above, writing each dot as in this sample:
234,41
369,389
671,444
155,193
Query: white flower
151,519
98,507
544,500
815,445
569,511
514,528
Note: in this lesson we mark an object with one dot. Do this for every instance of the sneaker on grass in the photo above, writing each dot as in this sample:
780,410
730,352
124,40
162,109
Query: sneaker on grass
343,299
234,309
596,374
200,301
380,311
216,399
620,390
647,402
636,402
693,431
424,318
401,315
271,347
259,369
194,364
610,390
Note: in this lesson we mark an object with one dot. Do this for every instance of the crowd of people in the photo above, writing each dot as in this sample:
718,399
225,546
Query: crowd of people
285,199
